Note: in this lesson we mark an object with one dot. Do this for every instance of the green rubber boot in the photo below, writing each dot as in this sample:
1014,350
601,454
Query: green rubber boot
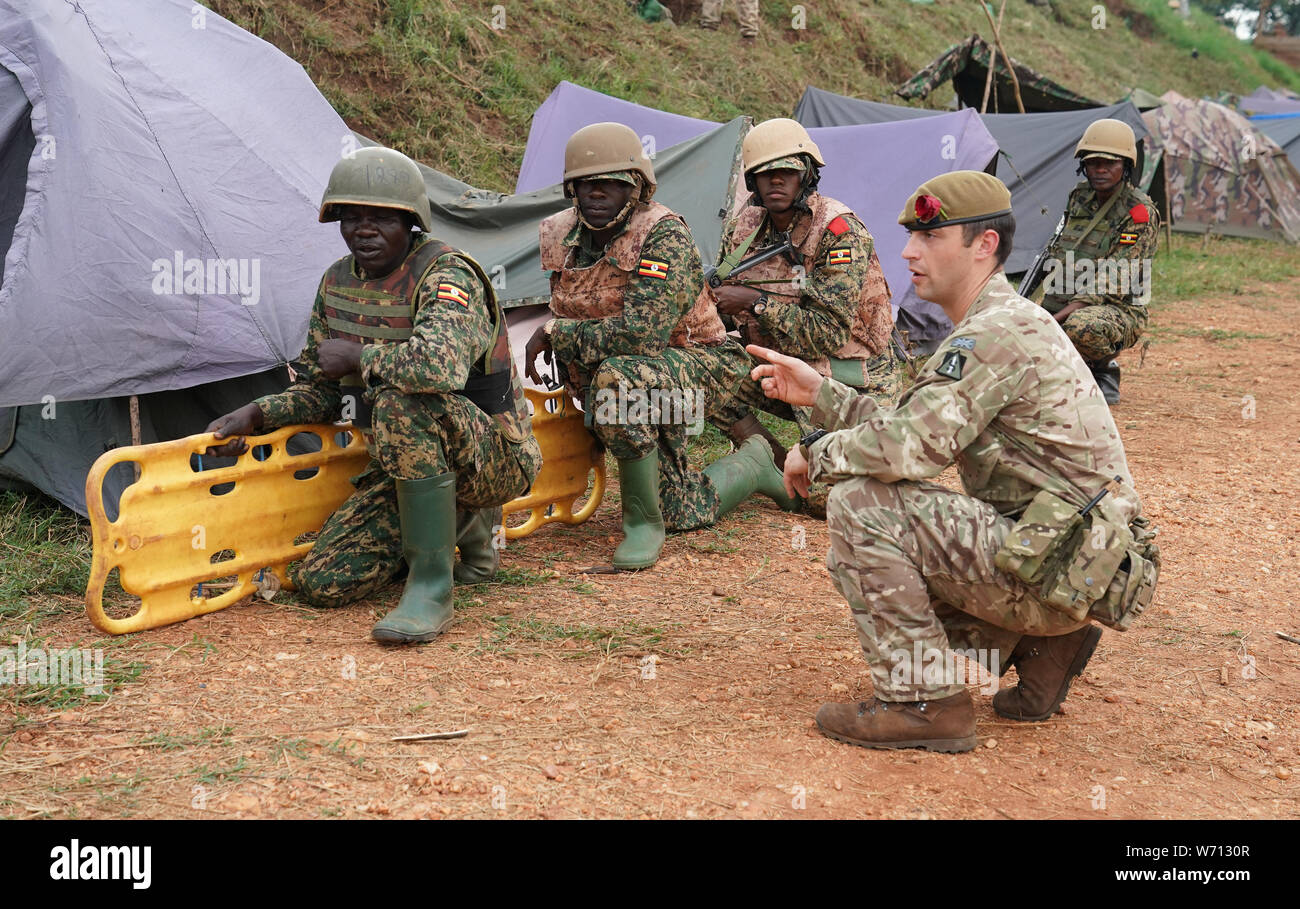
747,470
427,509
643,524
479,556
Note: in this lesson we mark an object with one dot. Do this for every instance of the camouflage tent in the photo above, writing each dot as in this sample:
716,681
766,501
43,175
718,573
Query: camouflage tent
1224,174
967,65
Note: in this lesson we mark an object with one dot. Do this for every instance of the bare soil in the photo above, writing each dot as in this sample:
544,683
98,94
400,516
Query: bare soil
689,690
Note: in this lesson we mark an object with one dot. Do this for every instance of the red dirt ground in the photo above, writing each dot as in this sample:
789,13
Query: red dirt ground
250,712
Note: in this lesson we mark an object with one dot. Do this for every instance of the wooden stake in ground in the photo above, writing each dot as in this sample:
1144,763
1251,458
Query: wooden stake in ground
997,37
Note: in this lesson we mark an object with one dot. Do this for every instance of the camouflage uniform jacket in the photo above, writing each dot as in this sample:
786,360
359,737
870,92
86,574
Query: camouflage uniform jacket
641,293
837,307
451,331
1129,233
1006,398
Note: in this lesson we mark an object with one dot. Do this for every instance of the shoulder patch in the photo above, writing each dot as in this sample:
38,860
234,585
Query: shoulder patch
653,268
952,365
842,255
1139,214
1127,238
838,226
963,343
450,293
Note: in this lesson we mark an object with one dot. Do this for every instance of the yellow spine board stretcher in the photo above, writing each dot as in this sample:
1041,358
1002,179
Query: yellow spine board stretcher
177,525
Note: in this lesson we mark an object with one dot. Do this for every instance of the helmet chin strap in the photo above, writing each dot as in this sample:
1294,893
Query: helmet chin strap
801,201
623,213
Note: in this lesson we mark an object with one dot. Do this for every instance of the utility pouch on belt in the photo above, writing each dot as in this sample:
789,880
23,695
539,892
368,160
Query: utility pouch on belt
1082,564
1042,539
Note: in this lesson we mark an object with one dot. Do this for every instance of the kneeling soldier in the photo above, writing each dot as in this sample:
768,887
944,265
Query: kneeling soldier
406,339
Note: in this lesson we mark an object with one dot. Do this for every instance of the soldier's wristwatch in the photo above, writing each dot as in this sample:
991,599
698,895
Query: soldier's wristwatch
806,443
759,306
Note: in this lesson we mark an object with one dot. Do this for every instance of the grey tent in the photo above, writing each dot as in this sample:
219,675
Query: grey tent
1284,129
161,170
1037,160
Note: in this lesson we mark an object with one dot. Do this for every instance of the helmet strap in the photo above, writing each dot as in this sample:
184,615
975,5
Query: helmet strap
623,213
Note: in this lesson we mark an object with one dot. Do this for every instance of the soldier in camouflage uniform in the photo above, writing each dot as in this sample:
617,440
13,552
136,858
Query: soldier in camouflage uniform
1097,282
407,341
633,319
829,306
1007,399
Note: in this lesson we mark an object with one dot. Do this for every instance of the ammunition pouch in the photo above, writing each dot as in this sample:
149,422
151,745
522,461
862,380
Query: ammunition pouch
1085,566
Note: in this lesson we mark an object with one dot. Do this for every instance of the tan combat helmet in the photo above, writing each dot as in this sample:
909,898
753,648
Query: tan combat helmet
779,138
604,148
383,177
1108,139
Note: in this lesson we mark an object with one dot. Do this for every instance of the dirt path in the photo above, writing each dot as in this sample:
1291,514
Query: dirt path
689,690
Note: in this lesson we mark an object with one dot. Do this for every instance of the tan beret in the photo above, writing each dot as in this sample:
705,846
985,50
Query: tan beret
958,197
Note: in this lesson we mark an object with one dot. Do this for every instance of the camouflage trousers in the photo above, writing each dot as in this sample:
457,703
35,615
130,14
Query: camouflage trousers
690,385
880,379
1102,330
359,548
746,12
915,562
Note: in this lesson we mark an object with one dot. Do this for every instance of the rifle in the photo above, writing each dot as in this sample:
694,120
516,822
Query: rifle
715,275
1034,276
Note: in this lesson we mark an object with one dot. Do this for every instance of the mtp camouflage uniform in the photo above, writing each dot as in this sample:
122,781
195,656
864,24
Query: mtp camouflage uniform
1008,400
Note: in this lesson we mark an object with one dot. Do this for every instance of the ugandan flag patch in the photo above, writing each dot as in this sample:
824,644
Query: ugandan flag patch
653,268
453,294
841,256
1127,239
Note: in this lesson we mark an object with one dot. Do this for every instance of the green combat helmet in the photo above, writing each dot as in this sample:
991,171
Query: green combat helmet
1108,139
607,148
383,177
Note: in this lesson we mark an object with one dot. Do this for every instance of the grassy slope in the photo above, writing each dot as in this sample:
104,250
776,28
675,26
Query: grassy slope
437,81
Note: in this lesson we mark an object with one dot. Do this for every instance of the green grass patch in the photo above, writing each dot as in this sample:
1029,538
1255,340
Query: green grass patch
209,735
44,549
455,85
1195,266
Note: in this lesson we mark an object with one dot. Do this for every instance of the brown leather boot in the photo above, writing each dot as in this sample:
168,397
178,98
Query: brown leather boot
947,724
749,426
1046,667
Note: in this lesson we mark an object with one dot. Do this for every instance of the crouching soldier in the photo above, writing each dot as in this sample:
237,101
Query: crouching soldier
1047,535
632,320
405,339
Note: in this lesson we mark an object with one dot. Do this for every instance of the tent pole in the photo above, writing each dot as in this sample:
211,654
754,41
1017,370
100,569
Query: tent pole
997,36
1169,204
988,77
135,429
